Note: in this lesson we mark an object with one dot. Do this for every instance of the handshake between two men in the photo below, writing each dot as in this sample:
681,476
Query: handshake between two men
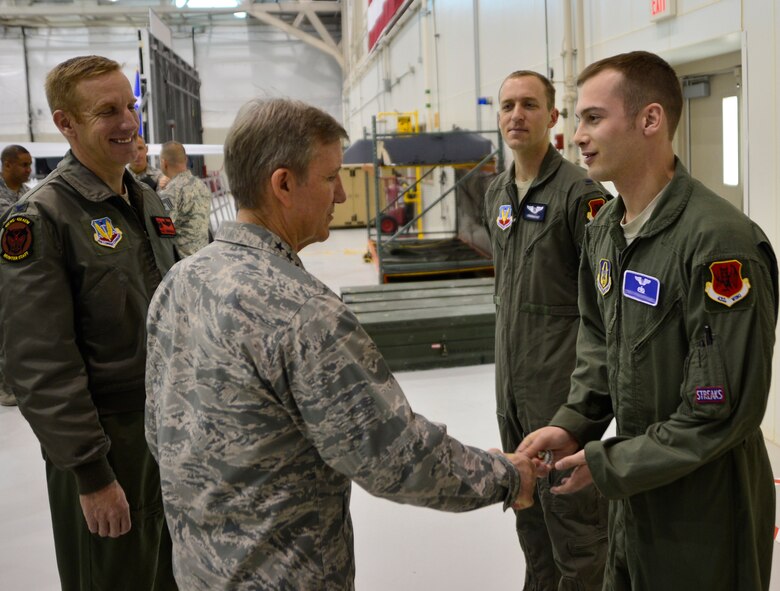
544,450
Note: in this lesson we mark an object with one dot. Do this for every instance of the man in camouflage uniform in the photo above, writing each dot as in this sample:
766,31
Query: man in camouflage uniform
187,198
266,397
142,171
536,213
678,300
17,165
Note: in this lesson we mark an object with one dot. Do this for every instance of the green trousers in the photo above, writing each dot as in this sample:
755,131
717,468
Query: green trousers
140,560
563,537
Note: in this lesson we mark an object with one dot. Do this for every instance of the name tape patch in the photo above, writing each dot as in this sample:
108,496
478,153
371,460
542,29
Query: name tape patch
710,395
642,288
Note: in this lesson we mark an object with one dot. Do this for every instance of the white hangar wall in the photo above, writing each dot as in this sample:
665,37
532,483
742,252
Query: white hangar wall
235,63
462,49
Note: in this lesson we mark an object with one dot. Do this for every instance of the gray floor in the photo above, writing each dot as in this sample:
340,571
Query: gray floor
398,548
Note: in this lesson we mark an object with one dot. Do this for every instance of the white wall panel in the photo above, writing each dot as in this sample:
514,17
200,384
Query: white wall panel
13,92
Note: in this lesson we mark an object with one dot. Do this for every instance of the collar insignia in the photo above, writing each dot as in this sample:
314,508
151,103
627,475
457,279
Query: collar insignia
105,232
727,286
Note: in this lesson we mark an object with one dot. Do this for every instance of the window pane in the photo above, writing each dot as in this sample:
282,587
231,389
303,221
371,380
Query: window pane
730,141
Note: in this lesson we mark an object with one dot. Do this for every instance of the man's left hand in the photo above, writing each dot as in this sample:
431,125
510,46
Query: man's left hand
578,479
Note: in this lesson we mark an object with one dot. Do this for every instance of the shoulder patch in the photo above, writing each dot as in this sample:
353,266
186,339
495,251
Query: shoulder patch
727,286
593,207
17,239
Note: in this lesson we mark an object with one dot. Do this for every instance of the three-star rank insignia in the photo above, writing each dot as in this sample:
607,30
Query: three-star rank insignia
593,207
727,286
604,278
504,219
164,225
16,240
106,234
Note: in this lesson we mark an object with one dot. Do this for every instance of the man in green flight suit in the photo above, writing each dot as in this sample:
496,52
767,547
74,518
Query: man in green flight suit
678,304
536,212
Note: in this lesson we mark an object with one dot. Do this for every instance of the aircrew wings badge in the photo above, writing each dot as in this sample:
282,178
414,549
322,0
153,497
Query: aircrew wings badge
105,232
727,286
504,219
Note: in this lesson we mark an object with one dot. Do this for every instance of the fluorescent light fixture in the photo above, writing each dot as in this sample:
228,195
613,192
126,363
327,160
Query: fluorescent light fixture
731,141
181,3
239,14
213,3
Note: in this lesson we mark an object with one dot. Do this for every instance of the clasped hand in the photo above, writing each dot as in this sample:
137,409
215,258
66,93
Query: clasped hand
564,457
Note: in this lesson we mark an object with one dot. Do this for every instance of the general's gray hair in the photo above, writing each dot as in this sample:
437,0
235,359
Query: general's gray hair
269,134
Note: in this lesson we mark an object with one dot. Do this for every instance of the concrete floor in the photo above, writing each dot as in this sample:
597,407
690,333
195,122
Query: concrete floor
397,547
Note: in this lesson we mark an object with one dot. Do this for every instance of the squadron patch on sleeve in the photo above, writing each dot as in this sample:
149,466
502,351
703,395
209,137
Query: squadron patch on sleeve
593,207
17,239
164,225
727,286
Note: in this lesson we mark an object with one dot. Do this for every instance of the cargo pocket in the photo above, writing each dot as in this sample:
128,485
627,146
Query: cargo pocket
706,393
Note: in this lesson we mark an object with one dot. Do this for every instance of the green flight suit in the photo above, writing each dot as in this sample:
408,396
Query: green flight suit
676,339
536,247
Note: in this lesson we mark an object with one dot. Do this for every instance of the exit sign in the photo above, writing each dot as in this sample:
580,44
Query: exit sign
662,9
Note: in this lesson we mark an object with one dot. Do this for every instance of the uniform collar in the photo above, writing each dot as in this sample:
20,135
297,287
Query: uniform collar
550,164
670,205
257,237
86,182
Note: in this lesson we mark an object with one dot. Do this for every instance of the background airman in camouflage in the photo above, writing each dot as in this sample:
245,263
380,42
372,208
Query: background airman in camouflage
266,397
188,198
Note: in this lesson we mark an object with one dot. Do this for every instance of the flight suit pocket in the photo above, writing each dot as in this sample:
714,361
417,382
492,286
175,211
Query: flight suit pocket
706,392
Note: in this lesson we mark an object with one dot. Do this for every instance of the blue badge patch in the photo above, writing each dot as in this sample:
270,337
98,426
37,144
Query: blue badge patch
534,212
604,280
710,395
20,207
504,219
642,288
105,232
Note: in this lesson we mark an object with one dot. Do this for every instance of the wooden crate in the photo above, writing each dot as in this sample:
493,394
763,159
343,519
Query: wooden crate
427,324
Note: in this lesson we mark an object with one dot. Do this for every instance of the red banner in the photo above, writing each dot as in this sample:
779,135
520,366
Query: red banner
380,15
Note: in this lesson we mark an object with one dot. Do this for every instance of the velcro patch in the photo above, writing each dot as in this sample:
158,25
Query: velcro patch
727,286
710,395
534,212
593,207
642,288
17,239
164,225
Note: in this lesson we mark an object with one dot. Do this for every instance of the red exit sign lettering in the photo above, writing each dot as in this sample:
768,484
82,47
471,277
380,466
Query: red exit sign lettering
661,9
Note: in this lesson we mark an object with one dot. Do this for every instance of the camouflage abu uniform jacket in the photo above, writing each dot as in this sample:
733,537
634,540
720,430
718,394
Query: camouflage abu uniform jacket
8,197
190,203
266,398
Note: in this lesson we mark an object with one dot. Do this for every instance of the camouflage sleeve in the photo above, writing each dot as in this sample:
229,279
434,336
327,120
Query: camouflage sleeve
359,420
191,205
